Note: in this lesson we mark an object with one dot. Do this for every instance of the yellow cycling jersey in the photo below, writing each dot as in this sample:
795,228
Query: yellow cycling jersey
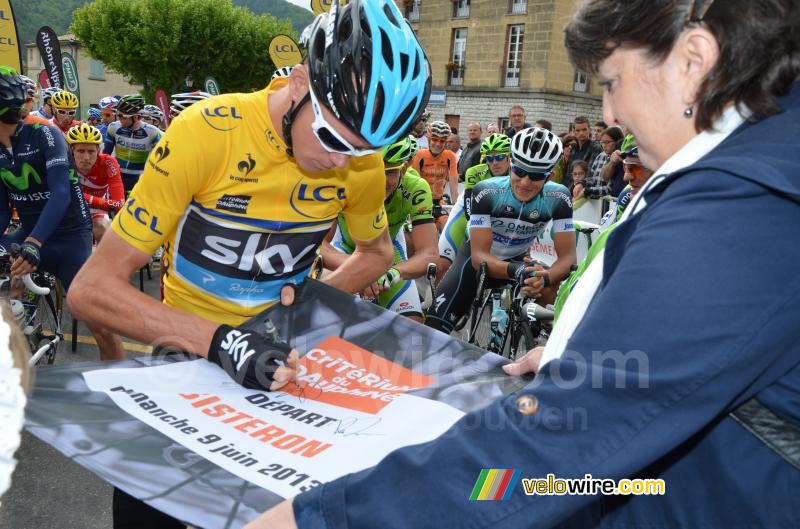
237,216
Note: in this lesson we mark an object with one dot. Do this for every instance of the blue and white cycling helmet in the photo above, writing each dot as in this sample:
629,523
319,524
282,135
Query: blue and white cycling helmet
108,102
94,113
49,92
368,68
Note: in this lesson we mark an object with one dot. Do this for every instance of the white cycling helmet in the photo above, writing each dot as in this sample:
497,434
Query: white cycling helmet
282,72
439,129
30,85
152,111
108,102
536,150
182,101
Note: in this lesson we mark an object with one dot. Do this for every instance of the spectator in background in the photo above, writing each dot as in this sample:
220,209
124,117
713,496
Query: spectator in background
492,128
596,186
516,120
420,129
544,124
599,127
471,153
570,143
580,170
454,143
586,148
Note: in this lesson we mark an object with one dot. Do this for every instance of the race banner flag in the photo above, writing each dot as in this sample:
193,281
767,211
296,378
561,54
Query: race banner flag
495,484
284,51
71,81
10,52
44,81
185,438
50,50
163,103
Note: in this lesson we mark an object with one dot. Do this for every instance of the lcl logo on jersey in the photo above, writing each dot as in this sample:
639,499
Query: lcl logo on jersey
216,116
305,196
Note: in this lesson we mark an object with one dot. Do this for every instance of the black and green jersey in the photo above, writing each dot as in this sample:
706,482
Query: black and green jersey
411,200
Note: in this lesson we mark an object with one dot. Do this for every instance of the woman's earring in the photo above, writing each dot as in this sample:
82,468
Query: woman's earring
689,112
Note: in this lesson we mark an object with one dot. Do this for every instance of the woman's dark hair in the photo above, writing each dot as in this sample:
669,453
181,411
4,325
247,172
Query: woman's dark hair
614,132
759,45
569,138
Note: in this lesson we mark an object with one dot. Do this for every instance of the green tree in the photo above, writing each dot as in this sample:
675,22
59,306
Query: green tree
159,42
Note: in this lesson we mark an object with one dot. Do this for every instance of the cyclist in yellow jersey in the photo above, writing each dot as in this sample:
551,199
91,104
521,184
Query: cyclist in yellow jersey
243,187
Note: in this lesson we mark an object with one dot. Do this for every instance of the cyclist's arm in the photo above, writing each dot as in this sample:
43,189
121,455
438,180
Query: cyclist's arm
331,257
564,244
481,251
54,147
369,261
453,177
101,293
426,250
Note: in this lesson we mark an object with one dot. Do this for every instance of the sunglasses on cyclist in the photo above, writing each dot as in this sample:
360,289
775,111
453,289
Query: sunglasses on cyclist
65,112
495,158
635,168
522,173
331,140
126,116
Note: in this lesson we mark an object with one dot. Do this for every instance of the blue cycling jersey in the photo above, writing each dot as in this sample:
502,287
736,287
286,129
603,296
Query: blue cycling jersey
38,182
515,224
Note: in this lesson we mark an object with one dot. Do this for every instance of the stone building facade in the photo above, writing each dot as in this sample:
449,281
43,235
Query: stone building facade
488,55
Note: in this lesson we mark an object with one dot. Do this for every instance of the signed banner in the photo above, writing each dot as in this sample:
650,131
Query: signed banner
351,409
185,438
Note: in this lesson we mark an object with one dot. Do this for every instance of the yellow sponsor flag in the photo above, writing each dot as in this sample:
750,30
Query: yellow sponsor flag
284,51
9,42
323,6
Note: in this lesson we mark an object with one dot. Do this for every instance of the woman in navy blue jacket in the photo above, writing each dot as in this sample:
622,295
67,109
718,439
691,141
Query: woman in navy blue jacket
680,345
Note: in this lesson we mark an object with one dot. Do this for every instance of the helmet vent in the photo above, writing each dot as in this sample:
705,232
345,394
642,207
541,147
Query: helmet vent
390,15
403,65
377,111
386,50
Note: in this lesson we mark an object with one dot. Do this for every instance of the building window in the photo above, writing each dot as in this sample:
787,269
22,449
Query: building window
518,7
412,10
581,82
460,8
97,70
503,123
457,57
513,65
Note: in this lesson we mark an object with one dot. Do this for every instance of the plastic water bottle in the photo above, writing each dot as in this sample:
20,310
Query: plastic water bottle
17,309
498,326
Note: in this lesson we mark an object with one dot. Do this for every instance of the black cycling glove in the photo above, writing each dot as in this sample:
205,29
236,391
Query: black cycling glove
251,359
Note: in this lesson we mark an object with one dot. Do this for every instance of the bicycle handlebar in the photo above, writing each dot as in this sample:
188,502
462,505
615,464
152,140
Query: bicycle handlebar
33,287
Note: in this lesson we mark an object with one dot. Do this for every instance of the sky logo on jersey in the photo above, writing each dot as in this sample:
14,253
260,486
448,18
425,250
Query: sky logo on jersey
214,117
306,196
239,265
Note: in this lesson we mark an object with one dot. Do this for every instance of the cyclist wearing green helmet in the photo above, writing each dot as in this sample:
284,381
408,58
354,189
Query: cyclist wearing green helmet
495,150
408,196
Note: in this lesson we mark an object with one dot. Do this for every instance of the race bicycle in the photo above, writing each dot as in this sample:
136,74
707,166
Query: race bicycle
38,310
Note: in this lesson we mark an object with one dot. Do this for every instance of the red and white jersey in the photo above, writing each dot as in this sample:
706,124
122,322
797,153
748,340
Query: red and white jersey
54,123
102,187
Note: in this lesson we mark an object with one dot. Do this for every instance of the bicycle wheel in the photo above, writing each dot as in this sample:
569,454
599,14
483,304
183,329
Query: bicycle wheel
47,324
523,339
480,333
